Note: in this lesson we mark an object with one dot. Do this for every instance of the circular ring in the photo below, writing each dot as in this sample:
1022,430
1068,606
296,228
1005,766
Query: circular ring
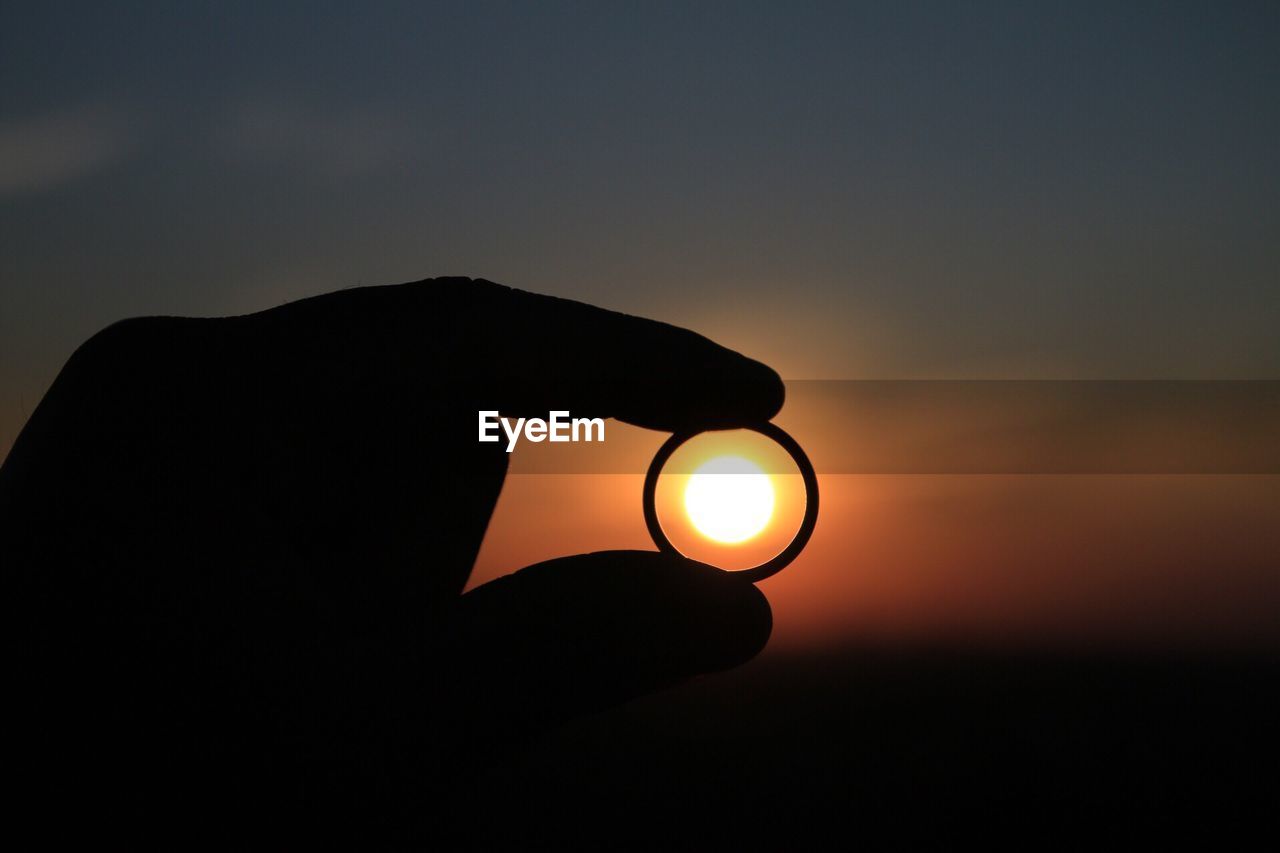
784,557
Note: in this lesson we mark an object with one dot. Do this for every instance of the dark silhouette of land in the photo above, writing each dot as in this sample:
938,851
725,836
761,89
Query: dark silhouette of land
233,553
904,749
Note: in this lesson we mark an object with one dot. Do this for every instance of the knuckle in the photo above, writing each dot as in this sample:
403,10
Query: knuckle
121,340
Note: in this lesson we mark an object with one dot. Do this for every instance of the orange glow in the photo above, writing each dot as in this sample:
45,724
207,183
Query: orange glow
1111,561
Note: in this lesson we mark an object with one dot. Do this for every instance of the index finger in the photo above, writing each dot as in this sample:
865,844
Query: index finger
523,350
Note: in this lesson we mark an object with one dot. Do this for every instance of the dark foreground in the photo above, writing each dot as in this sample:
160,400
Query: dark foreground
861,748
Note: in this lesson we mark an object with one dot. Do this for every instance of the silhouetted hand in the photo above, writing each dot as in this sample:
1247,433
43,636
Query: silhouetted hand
236,549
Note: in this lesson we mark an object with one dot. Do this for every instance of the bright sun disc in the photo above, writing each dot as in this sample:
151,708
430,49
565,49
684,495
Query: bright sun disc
729,499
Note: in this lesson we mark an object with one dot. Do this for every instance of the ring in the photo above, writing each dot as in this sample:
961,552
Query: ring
784,557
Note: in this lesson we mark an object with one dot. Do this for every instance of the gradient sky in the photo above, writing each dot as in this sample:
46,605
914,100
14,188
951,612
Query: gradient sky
941,190
897,190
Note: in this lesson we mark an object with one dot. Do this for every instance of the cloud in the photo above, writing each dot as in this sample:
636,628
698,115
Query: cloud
332,143
45,151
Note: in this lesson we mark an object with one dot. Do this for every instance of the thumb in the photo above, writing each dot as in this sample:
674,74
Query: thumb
577,634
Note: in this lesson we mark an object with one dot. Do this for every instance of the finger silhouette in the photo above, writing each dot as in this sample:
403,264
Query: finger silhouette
576,634
344,424
528,351
393,376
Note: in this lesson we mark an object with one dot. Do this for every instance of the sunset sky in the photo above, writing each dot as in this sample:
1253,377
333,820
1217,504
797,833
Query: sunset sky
890,191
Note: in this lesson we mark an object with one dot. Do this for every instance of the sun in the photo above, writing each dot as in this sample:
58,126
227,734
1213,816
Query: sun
729,499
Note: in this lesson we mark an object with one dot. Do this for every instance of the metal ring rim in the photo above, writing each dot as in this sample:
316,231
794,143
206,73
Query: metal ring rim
783,558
